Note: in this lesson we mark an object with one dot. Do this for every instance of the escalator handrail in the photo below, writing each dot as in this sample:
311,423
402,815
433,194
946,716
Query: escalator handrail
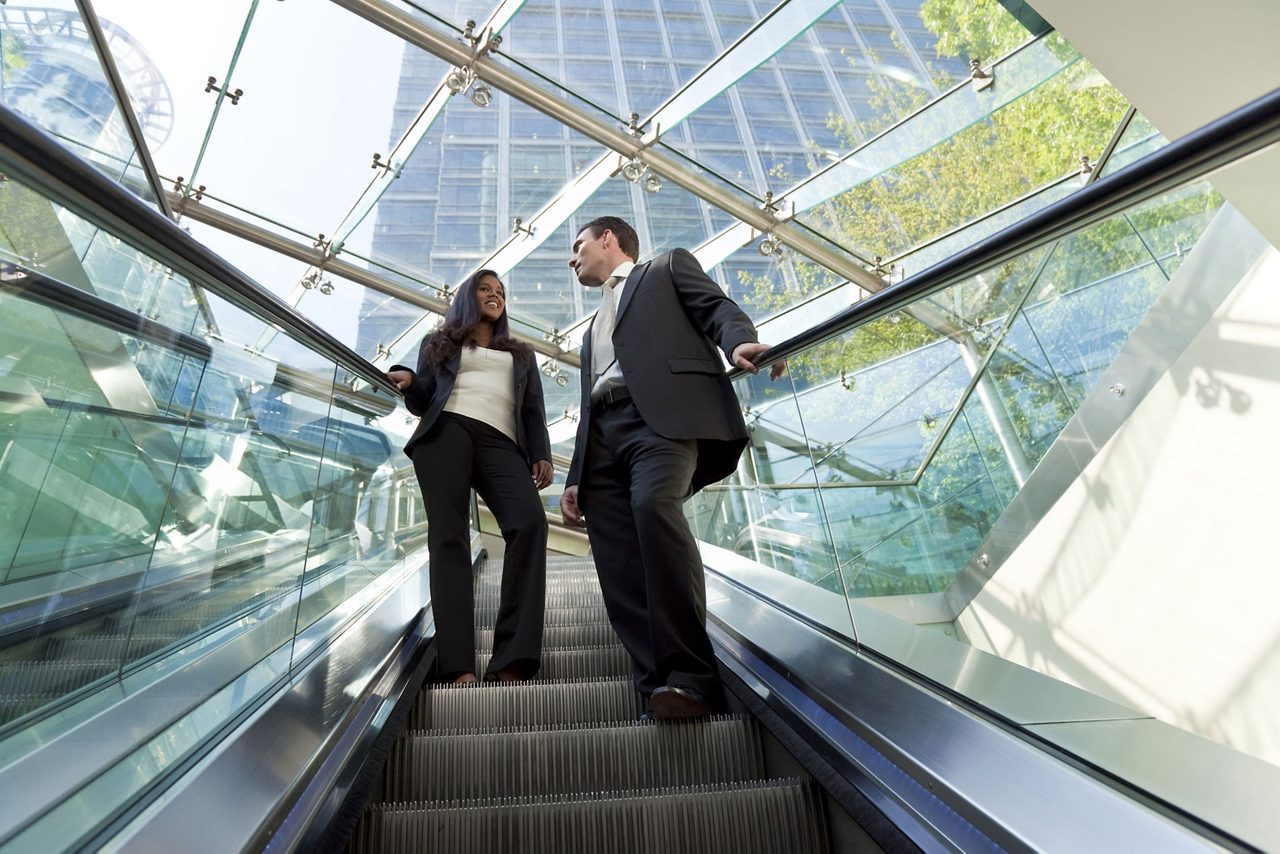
1242,132
32,158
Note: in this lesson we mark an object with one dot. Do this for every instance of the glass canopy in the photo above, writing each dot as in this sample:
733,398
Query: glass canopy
861,122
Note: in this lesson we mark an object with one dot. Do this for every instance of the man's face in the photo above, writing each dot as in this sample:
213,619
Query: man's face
592,261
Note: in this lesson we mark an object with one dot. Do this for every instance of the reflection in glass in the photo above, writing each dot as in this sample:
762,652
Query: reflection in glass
923,424
51,75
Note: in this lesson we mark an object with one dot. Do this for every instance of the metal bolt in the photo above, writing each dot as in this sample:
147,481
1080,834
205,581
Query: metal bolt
1117,389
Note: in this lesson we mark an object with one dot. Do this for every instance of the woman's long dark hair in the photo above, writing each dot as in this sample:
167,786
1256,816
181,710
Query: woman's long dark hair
460,321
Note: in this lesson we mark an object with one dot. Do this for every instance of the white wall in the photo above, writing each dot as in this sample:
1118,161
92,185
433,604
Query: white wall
1184,63
1155,578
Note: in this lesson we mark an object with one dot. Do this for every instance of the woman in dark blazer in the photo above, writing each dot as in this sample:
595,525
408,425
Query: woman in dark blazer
482,426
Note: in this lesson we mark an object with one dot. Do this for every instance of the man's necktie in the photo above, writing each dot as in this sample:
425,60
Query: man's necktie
602,335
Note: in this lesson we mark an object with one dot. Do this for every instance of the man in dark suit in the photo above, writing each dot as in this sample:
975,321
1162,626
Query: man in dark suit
659,421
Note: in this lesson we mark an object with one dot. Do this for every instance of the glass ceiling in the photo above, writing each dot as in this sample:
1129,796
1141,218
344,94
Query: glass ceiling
301,133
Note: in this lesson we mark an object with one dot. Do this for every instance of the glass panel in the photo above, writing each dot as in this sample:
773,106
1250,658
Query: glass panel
350,543
333,120
141,36
770,513
51,76
877,403
166,489
965,155
1140,138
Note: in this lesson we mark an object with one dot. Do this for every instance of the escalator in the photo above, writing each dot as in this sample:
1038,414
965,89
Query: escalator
263,643
561,763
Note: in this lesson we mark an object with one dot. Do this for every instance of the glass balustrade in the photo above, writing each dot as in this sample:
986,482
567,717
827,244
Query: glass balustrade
880,465
171,496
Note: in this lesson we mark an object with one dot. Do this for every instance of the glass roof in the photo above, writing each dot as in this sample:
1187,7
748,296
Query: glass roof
307,123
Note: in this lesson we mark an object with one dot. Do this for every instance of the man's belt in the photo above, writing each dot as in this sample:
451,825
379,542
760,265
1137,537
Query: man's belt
611,396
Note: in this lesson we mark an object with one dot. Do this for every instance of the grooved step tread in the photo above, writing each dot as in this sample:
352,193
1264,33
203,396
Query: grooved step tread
590,634
761,817
444,765
488,704
576,616
566,663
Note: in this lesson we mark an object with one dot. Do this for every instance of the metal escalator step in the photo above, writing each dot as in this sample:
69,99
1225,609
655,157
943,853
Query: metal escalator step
440,765
103,647
555,599
586,614
39,677
568,562
525,704
763,817
597,634
492,585
15,706
576,662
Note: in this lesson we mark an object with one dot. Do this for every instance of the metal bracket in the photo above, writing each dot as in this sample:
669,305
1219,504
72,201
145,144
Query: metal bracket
483,43
379,163
982,78
518,227
556,338
1086,169
784,212
637,171
233,97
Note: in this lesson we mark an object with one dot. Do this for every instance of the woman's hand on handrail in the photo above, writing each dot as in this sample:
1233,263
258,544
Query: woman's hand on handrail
400,379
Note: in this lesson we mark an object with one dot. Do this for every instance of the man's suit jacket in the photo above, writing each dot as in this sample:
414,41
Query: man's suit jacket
429,392
666,328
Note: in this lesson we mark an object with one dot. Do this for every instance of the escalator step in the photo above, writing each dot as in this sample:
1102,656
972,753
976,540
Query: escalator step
491,585
555,599
740,818
39,677
576,616
103,647
14,706
525,704
599,634
567,562
576,662
440,765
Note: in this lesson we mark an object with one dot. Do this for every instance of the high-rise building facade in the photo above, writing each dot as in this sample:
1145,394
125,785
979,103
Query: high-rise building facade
480,168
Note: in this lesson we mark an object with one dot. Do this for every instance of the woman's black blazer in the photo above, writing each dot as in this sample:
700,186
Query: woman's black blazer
430,390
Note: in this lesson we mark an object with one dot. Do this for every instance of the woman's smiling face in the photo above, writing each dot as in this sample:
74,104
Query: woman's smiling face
491,298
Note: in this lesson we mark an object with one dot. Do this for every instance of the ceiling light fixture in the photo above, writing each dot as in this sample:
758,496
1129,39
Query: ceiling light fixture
771,247
481,96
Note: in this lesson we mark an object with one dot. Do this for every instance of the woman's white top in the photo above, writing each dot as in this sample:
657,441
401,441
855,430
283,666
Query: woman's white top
485,389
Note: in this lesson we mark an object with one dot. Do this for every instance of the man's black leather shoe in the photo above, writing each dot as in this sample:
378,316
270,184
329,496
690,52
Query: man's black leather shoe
676,703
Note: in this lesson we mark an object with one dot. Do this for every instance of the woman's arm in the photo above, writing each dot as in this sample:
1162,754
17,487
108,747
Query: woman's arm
422,385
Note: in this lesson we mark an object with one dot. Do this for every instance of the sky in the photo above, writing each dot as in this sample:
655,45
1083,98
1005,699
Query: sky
319,86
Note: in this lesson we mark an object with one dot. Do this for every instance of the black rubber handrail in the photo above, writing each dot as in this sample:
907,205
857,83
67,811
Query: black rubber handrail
30,157
1238,134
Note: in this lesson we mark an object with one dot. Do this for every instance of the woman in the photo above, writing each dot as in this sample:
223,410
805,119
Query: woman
482,425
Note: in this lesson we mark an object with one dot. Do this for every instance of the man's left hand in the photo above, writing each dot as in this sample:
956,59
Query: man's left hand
744,356
542,472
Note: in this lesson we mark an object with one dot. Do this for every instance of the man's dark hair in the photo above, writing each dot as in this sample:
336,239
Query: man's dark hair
628,241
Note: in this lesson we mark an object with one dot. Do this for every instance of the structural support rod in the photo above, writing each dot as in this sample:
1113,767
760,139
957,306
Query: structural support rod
414,31
99,38
316,257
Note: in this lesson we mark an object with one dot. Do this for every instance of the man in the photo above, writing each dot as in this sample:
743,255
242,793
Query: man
659,421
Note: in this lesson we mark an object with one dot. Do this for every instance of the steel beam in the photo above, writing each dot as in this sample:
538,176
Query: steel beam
317,258
402,24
